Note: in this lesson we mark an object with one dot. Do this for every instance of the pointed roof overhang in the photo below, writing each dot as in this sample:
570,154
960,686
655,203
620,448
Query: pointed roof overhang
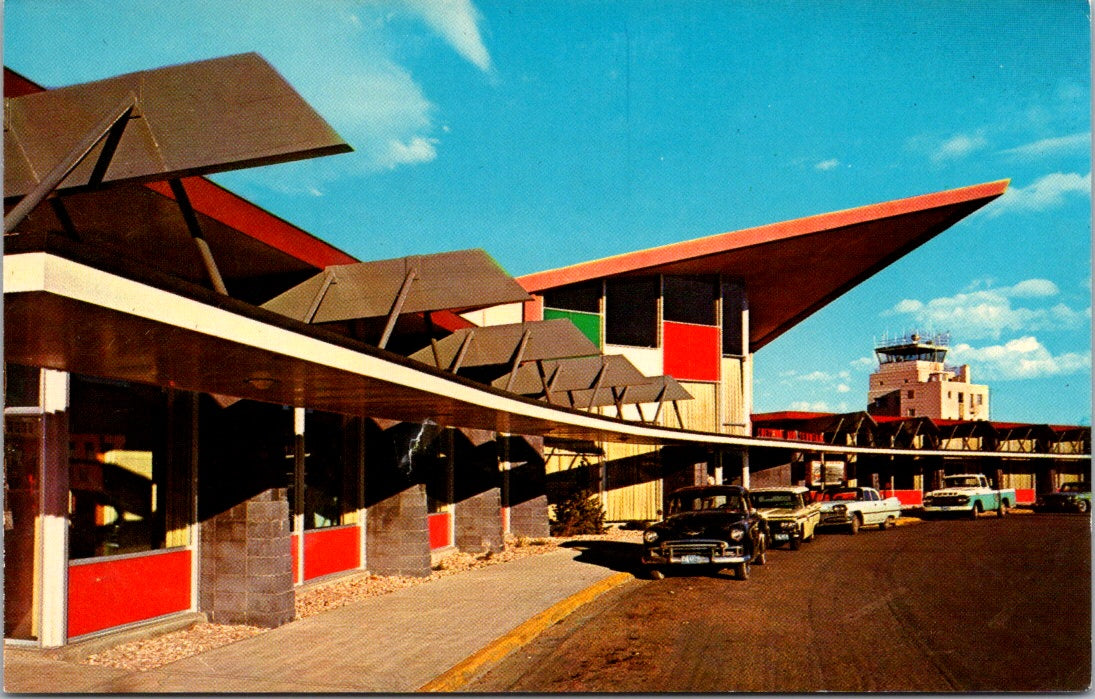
458,281
794,268
512,344
168,123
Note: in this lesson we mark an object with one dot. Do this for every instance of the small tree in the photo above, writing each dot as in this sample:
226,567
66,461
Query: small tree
580,513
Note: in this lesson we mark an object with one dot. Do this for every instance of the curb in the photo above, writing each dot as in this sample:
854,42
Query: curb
458,675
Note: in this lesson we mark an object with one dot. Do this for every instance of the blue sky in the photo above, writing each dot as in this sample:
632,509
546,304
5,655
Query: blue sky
554,132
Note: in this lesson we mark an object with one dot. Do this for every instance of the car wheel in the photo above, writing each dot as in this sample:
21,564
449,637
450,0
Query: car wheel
975,510
656,574
890,521
1082,506
1002,511
853,527
794,543
741,571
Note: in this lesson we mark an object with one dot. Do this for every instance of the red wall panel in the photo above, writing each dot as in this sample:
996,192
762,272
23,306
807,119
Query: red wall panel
110,593
333,550
691,352
294,540
439,530
908,498
1025,496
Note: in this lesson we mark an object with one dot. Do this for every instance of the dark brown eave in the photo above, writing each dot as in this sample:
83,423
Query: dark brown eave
209,116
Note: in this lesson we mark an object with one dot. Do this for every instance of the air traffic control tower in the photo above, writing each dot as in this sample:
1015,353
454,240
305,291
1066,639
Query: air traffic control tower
912,380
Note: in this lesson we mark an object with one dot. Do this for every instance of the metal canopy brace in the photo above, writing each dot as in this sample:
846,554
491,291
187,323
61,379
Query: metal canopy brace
517,357
397,307
110,127
194,226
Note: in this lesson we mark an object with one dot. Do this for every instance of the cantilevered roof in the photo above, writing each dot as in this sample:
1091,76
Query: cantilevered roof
656,389
462,280
559,376
209,116
792,269
496,345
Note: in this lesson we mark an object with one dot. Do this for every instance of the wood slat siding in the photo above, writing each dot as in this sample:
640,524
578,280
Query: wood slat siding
640,501
700,413
734,407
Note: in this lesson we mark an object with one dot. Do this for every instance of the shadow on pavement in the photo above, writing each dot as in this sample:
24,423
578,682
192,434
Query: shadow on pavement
620,556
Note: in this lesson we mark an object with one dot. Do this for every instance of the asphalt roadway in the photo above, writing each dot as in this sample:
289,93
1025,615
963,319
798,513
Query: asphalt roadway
942,606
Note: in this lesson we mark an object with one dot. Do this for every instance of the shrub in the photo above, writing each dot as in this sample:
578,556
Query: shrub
580,513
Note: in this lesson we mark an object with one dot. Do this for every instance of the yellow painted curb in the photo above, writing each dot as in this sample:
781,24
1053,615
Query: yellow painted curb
456,676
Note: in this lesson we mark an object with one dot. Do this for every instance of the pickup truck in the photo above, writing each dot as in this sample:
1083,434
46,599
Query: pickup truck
969,494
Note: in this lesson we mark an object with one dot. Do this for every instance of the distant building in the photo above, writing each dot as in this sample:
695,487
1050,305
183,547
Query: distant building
913,381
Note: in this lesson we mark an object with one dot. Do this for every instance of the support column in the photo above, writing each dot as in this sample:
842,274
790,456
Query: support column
298,490
52,595
397,531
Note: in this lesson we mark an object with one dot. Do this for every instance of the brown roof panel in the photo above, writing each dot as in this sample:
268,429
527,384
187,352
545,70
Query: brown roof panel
573,374
499,344
643,393
460,280
209,116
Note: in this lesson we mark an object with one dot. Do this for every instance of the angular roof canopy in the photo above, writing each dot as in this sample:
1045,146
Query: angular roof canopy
495,345
656,389
210,116
460,281
572,374
794,268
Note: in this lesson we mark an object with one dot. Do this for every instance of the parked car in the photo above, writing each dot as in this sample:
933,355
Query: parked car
712,527
968,494
857,507
1072,497
791,518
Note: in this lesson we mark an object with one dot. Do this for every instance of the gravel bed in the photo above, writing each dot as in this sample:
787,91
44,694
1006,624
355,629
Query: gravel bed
154,652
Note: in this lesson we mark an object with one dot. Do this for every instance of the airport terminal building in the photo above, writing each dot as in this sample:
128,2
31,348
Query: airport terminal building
207,407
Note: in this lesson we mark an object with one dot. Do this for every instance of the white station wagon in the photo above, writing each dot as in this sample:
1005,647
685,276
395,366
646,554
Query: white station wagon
857,507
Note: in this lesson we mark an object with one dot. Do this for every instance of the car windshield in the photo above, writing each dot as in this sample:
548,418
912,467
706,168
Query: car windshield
1075,488
774,500
726,502
842,494
962,481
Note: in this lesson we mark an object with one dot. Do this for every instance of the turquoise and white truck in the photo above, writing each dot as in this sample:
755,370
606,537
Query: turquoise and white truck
969,494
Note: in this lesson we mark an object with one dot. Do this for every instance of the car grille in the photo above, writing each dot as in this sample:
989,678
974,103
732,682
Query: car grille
948,500
702,548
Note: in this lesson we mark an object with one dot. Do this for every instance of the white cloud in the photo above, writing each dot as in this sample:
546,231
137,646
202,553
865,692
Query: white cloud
958,147
811,406
1021,358
827,164
457,21
989,311
1044,193
843,388
417,150
1079,143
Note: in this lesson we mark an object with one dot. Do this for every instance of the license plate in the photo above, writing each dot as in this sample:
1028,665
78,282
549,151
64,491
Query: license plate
781,537
693,558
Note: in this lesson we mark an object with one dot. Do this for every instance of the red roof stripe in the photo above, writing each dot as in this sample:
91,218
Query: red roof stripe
711,245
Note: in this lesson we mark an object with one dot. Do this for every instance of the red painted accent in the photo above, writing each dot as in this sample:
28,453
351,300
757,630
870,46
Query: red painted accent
691,351
233,210
16,85
110,593
294,540
1025,496
534,309
908,498
773,232
439,530
331,550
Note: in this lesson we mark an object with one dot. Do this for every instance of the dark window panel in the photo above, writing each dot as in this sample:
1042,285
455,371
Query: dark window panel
631,311
577,297
690,300
733,305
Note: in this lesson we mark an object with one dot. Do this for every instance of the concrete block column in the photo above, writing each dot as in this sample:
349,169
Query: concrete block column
479,522
530,518
397,537
246,562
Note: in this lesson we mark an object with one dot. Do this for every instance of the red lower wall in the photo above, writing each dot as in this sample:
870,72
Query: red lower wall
1025,496
331,550
112,592
908,498
294,542
439,530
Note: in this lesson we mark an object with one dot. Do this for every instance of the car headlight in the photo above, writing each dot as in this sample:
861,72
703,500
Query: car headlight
737,534
650,536
840,508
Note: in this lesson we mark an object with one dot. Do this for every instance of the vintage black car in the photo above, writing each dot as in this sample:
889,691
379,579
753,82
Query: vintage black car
1072,497
707,527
